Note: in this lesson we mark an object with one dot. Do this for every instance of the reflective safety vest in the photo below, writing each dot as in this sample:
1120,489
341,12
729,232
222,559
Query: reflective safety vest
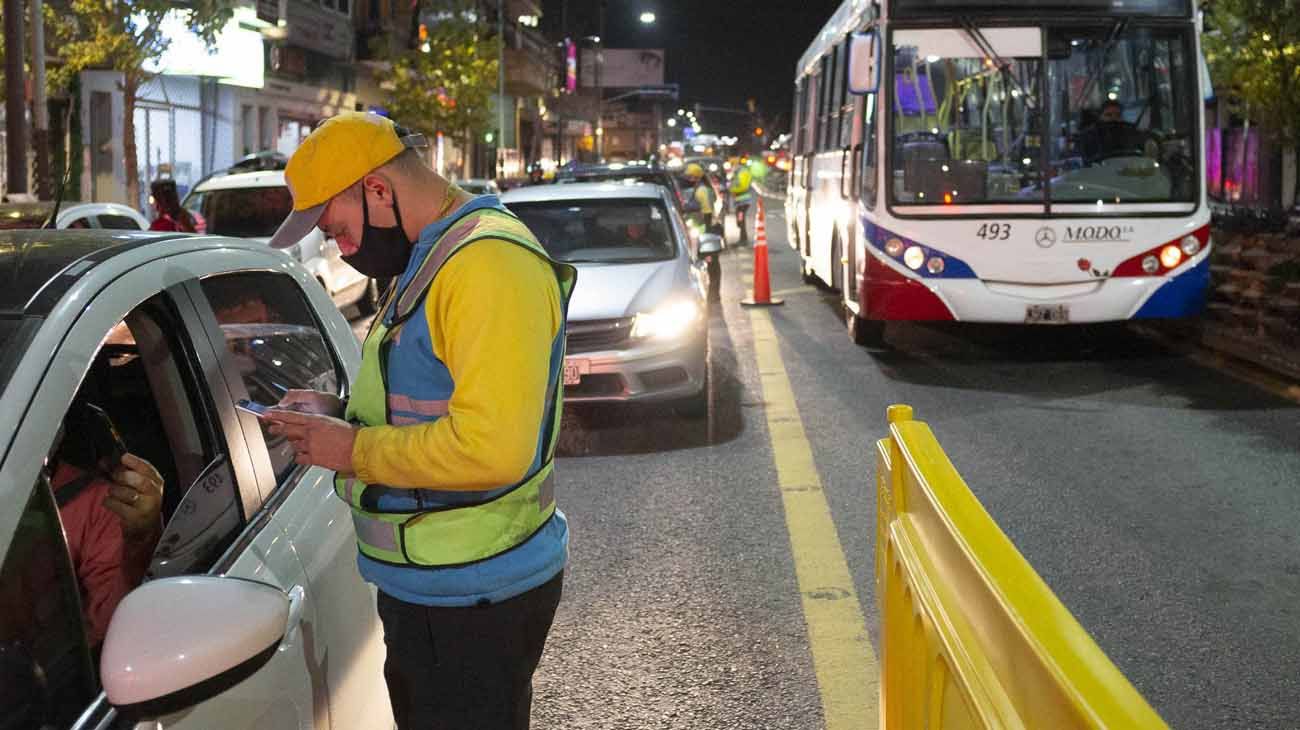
740,185
402,382
700,204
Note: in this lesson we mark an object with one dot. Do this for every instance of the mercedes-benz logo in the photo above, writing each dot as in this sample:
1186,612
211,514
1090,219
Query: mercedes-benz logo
1045,237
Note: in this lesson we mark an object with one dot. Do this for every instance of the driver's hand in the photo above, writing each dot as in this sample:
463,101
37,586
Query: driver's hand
312,401
136,498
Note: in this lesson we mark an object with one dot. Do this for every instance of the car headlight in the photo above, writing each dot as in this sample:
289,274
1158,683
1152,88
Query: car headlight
667,321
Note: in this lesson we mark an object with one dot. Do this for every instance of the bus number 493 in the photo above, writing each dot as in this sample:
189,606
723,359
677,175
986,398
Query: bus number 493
994,231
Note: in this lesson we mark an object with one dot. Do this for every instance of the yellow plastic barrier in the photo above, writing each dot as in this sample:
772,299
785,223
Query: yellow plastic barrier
970,636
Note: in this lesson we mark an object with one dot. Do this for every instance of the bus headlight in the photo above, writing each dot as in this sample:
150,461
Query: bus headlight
935,265
914,258
1150,264
667,321
1191,244
894,247
1171,256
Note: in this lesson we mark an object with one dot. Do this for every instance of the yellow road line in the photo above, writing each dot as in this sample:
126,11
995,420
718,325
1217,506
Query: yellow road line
843,658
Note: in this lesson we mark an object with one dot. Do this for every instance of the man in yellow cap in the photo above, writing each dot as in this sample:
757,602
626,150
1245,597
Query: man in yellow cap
700,199
445,448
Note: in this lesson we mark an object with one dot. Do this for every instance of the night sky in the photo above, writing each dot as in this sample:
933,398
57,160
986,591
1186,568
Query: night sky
721,52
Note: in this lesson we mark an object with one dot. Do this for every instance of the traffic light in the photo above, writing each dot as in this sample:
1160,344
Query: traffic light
758,131
424,32
751,105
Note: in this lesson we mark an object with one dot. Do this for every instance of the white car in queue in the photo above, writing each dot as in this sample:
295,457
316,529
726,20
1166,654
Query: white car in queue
253,205
251,614
638,321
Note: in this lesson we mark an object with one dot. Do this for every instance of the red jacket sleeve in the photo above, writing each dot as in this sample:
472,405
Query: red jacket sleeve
107,566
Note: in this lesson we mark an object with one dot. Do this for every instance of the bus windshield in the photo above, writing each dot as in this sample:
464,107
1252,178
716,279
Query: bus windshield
1123,115
1117,125
965,131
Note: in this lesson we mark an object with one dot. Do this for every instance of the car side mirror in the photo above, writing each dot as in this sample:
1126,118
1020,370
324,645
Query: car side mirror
175,642
710,243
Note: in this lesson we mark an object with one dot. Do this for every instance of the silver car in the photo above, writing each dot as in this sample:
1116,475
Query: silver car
638,322
252,615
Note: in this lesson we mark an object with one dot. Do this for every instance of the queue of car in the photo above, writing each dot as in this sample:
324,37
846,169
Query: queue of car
158,336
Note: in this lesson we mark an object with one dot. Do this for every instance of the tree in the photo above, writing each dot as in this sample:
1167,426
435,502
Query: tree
121,36
1253,49
445,84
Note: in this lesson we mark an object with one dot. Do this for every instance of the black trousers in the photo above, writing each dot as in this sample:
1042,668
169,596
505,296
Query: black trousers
466,668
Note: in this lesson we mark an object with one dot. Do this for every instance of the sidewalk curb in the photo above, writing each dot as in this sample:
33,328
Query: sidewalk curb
1225,350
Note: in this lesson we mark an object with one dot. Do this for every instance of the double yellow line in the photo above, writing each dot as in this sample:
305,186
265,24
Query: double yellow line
848,676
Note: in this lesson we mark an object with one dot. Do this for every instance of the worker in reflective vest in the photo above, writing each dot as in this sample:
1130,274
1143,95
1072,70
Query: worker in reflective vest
700,199
742,195
446,446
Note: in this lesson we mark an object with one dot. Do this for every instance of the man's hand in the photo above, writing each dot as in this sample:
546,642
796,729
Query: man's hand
135,497
319,440
312,401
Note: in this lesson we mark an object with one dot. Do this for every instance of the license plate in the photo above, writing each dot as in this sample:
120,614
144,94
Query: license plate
574,370
1047,314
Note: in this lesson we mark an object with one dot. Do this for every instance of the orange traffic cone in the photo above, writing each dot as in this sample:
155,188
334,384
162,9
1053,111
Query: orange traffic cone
762,294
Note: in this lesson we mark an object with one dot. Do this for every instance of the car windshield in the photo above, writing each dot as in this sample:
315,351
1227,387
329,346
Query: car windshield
242,212
1122,114
1120,110
600,231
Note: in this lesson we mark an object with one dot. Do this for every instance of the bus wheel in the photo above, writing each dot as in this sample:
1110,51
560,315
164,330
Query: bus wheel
865,332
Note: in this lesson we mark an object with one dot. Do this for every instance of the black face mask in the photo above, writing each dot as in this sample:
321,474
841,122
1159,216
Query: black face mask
384,252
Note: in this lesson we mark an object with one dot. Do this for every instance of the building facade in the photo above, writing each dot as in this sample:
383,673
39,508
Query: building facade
277,69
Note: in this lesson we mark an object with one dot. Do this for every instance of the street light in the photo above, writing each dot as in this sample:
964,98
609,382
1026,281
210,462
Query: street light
648,18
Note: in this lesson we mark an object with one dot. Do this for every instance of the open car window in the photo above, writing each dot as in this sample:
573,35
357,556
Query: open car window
144,393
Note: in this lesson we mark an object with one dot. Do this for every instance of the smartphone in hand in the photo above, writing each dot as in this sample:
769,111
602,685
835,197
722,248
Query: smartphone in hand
108,442
257,409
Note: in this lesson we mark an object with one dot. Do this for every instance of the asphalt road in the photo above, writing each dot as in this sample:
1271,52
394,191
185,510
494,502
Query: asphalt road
1158,498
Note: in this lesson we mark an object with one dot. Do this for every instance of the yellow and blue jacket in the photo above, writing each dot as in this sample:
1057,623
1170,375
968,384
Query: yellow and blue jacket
460,416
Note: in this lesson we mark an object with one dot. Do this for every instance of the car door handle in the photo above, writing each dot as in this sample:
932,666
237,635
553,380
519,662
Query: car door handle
297,603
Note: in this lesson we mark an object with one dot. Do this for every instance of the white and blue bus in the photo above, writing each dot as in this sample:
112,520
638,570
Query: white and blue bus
1016,161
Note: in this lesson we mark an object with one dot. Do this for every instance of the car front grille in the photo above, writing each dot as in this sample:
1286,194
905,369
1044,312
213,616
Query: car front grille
598,334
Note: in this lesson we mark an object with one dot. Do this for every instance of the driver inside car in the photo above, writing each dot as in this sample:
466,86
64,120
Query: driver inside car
110,504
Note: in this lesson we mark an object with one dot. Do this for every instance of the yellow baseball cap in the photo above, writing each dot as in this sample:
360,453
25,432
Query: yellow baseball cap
339,152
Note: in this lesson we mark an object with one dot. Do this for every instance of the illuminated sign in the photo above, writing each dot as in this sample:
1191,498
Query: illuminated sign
570,66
